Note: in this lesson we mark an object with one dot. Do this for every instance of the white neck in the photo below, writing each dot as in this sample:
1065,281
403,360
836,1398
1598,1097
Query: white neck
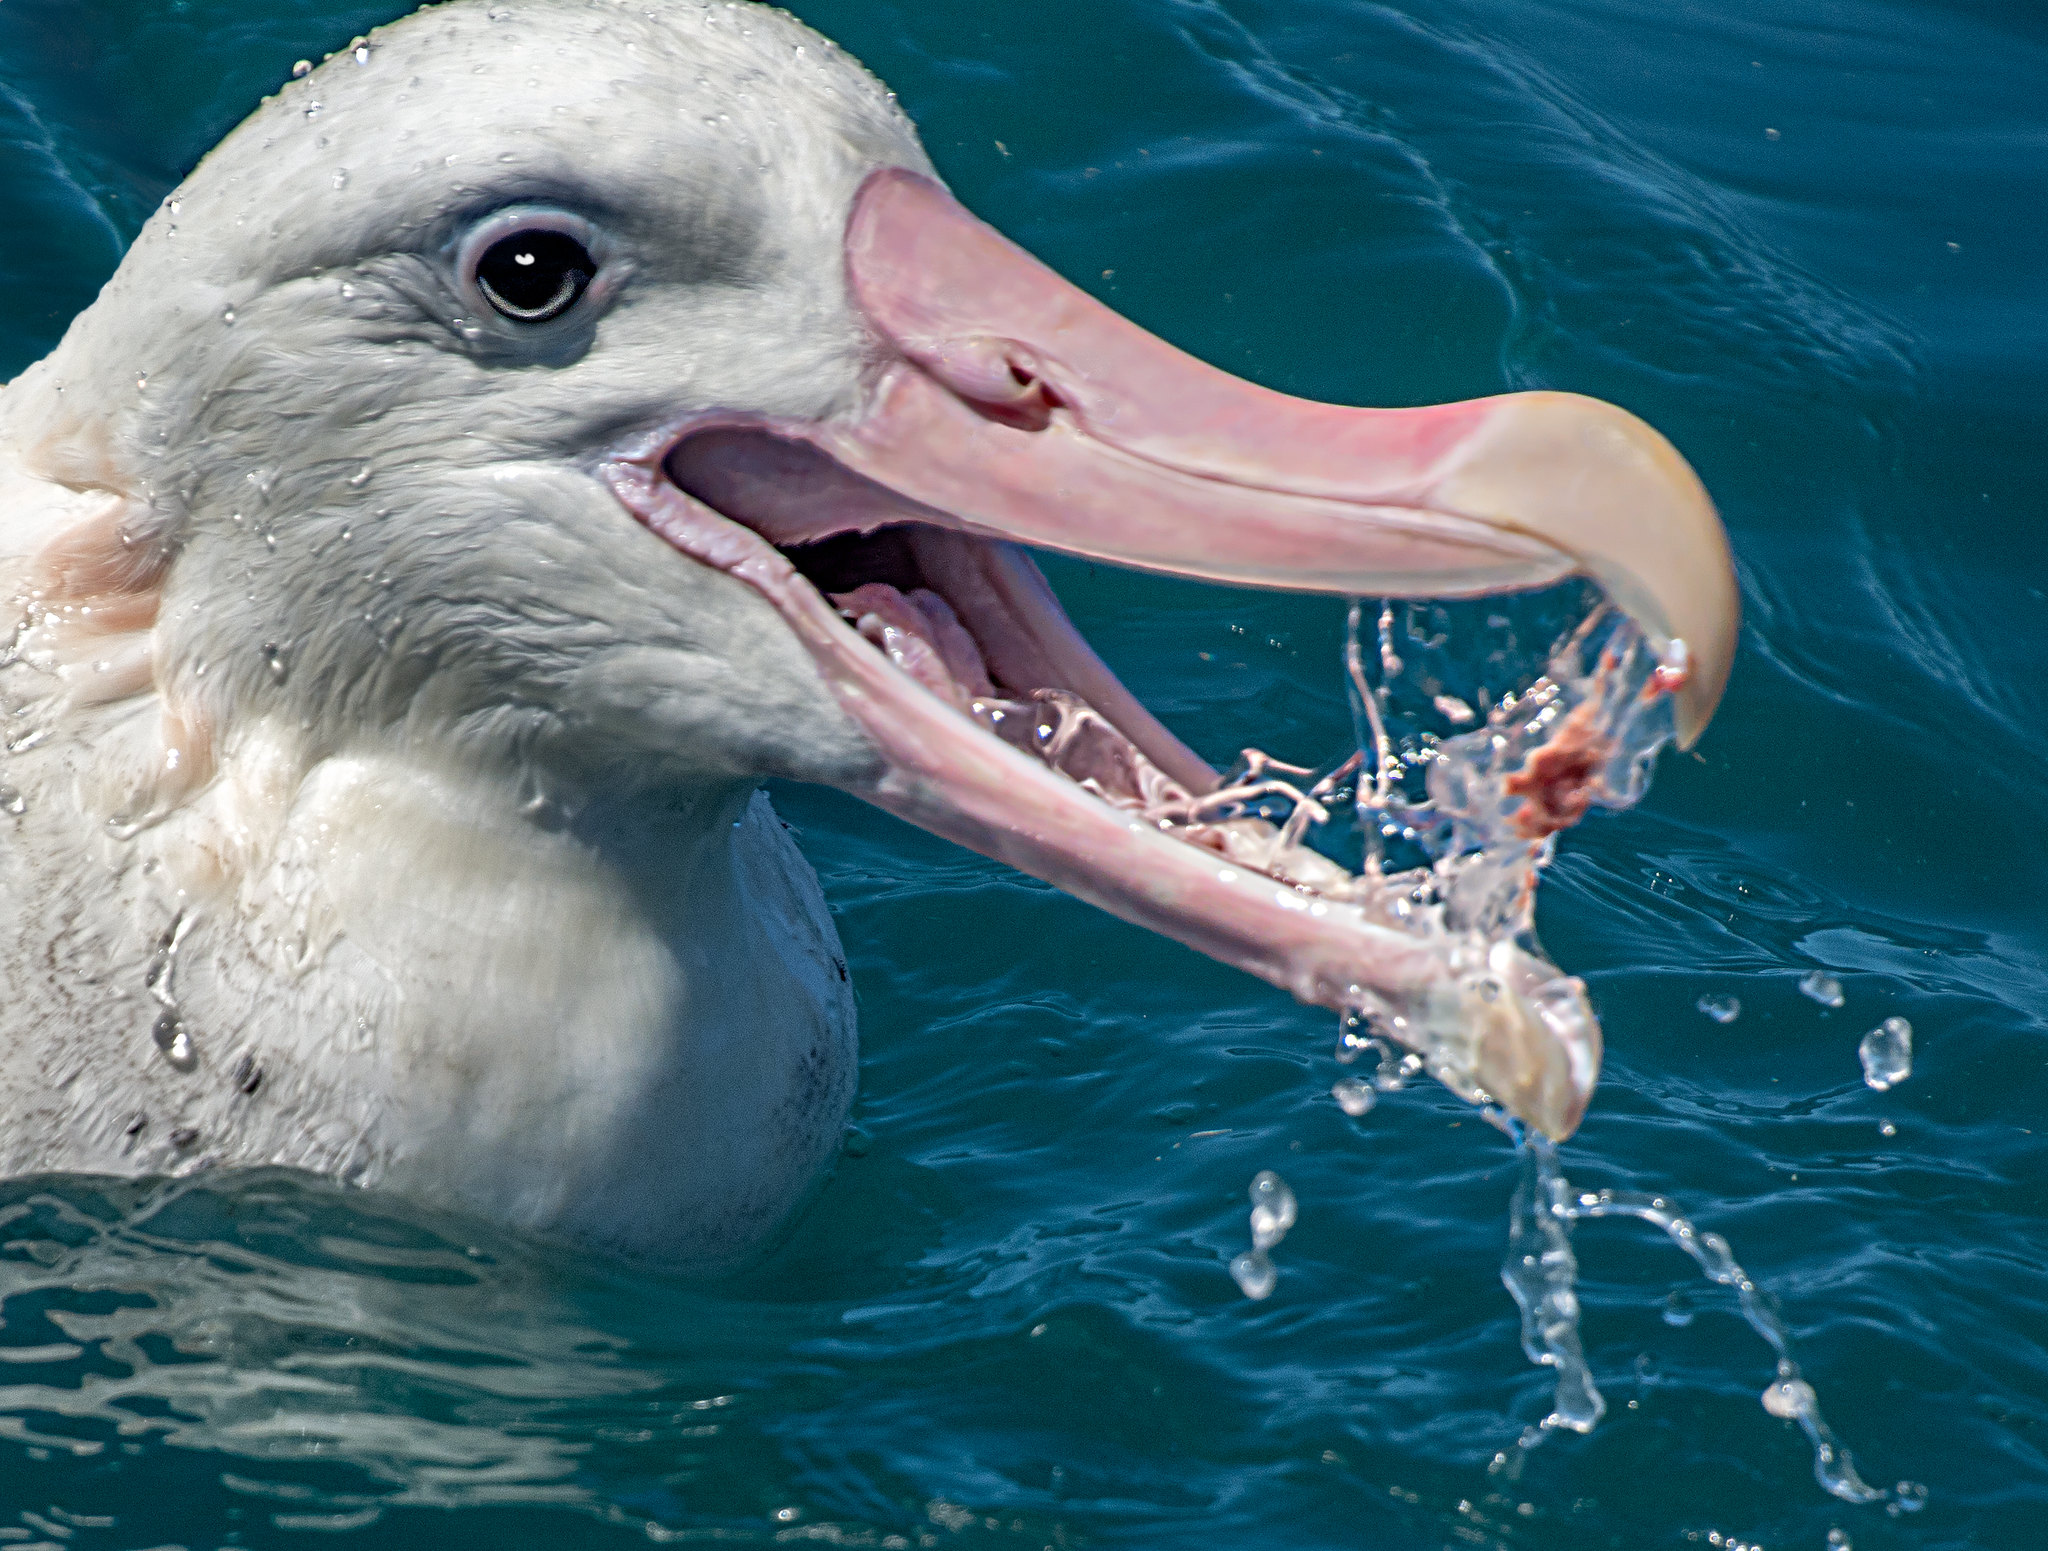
633,1027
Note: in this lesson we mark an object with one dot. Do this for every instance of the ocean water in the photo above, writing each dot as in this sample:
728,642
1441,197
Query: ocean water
1806,238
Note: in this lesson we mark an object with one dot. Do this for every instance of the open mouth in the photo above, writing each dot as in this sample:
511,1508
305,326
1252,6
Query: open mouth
1009,409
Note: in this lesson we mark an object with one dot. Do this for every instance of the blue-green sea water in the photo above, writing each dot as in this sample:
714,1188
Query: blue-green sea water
1806,238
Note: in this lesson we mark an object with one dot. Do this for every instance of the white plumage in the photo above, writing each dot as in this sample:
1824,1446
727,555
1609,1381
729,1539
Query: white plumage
331,664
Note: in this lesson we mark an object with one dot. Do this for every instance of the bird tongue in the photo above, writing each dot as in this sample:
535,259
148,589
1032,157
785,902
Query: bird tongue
919,632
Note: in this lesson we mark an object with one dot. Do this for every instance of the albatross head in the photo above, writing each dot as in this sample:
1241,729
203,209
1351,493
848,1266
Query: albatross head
613,398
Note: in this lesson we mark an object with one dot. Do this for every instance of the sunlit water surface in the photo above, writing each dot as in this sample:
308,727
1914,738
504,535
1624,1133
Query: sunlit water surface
1808,239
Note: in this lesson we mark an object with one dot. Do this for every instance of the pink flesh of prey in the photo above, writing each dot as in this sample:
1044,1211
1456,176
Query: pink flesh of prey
1006,405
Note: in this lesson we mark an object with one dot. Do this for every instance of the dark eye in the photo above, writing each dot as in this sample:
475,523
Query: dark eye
534,276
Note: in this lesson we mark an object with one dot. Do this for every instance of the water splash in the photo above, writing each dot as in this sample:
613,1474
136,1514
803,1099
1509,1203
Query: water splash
1541,1272
1432,827
1465,818
1455,822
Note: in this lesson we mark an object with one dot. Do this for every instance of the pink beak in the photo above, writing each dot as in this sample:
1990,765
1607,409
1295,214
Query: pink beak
1037,414
1007,407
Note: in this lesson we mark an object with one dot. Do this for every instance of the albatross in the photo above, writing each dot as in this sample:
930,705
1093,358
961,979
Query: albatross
523,436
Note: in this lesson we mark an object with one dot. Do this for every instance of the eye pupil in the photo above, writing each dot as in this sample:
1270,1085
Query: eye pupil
531,277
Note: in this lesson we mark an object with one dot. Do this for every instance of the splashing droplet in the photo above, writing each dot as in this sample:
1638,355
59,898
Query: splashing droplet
1273,1213
1887,1054
1255,1274
1392,1074
1823,988
1273,1209
1354,1096
1722,1009
1353,1038
1789,1399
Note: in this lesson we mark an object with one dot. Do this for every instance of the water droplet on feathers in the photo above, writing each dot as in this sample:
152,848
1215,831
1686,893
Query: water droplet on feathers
174,1041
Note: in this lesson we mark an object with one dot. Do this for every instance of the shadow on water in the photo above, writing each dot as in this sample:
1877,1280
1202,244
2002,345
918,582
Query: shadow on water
1807,241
